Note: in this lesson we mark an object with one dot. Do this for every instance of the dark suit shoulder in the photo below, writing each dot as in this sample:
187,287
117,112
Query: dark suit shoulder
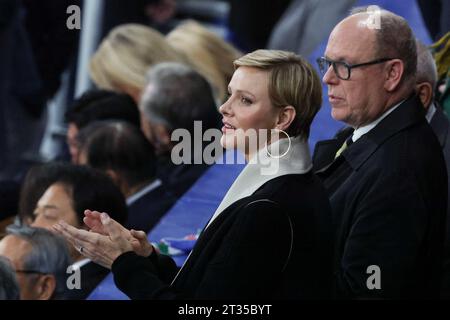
409,150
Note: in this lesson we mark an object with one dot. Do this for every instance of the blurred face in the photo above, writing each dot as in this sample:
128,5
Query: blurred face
72,132
16,249
248,107
156,133
362,98
55,205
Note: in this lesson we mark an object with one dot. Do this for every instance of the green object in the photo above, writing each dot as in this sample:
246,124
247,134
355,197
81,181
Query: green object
441,54
163,248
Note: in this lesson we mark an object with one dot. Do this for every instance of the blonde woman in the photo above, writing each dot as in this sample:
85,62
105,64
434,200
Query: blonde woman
208,53
124,56
270,238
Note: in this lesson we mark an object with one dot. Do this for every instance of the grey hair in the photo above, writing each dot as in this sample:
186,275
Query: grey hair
49,254
395,39
180,96
9,288
426,66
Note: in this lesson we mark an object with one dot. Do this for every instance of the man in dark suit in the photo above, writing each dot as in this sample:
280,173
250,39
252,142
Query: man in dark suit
426,86
385,174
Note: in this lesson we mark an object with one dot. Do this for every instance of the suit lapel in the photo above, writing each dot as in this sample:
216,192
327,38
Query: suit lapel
325,151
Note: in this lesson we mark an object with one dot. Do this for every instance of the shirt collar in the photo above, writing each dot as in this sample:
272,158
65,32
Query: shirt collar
430,112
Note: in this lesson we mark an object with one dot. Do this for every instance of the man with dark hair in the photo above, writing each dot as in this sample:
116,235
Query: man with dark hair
385,173
95,105
40,259
74,190
36,182
175,97
121,150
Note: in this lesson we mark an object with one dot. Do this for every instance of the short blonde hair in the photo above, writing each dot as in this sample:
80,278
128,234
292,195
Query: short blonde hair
292,82
208,53
124,56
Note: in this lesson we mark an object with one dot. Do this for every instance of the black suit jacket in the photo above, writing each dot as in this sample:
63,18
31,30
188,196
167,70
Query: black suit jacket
177,179
440,125
91,276
388,193
275,243
145,212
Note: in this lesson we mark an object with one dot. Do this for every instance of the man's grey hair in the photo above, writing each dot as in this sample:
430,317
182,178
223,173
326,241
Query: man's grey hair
179,95
395,39
426,66
49,254
9,288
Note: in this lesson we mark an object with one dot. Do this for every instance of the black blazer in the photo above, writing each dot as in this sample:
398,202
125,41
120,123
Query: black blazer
275,243
91,276
177,179
440,125
388,193
145,212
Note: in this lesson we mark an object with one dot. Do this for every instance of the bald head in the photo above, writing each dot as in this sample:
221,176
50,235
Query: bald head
352,38
393,37
371,66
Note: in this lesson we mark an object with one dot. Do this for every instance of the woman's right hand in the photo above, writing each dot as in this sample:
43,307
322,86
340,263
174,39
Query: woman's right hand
138,239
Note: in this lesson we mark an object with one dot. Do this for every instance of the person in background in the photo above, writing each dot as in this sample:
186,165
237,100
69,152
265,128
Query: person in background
209,54
441,55
121,150
40,259
124,56
95,105
426,82
70,192
385,173
174,98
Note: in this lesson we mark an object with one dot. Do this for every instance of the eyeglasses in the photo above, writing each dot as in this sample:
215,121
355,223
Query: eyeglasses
343,69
